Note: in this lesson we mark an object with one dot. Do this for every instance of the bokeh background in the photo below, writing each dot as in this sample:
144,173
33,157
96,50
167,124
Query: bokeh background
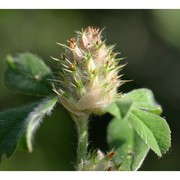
150,39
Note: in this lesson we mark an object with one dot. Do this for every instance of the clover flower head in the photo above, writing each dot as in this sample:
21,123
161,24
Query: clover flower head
88,78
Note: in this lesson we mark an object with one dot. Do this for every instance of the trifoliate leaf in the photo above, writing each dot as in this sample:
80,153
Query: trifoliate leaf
141,130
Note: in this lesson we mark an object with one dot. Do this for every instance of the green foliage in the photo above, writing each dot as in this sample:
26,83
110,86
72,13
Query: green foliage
12,126
130,148
152,129
135,128
28,74
144,100
139,129
33,121
17,126
120,113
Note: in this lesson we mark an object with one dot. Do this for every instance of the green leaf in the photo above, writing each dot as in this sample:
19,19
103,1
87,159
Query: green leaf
15,123
28,74
34,120
119,109
144,100
141,130
152,129
129,147
12,127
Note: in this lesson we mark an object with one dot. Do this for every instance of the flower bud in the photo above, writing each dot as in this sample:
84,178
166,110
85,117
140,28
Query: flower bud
98,161
88,79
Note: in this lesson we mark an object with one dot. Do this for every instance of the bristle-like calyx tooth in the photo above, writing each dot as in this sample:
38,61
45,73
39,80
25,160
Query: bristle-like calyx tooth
98,161
89,72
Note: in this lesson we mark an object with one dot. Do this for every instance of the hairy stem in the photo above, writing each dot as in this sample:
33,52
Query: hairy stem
82,131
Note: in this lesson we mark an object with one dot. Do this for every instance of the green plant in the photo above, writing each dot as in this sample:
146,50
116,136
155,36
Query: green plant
86,82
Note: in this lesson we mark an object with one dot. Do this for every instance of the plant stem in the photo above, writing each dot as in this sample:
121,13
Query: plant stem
82,131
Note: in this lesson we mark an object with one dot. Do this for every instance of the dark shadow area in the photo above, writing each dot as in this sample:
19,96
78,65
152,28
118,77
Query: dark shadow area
97,132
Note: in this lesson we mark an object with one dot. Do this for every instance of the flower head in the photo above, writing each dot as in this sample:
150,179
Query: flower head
88,78
98,161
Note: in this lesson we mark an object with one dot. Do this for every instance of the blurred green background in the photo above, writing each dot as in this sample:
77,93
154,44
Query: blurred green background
150,39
